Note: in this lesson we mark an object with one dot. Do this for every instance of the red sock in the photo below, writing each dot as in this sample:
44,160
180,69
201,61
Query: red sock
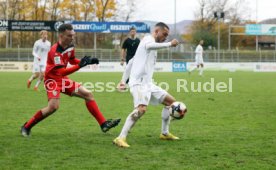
34,120
94,110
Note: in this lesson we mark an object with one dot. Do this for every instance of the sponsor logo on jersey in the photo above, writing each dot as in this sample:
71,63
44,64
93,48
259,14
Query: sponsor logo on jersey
57,60
54,92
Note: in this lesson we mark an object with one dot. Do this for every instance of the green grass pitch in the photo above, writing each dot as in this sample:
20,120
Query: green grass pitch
220,131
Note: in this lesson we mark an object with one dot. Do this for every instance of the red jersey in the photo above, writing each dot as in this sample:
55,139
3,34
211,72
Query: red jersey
58,58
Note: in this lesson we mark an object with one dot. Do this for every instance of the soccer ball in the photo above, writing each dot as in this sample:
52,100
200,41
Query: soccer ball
177,110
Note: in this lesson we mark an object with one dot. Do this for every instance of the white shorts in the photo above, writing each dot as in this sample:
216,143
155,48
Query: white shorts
38,68
199,60
147,93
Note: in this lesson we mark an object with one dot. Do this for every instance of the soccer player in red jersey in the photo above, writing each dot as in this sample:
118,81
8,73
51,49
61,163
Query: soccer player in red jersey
56,81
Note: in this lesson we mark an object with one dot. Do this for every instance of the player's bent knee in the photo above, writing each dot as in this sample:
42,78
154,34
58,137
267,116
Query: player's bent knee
41,75
84,93
136,114
88,96
168,100
36,75
142,109
53,108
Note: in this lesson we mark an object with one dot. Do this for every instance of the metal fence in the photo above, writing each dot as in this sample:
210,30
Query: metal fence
25,54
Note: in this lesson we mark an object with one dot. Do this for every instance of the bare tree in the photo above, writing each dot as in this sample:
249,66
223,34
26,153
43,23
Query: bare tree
104,5
206,24
54,9
238,12
125,12
88,9
105,9
3,8
44,9
234,11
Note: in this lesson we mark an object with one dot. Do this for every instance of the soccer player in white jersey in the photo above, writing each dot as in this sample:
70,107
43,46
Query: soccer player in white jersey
142,88
40,53
199,58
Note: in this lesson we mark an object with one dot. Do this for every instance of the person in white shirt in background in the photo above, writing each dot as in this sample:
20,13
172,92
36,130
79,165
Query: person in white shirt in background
199,58
40,53
142,88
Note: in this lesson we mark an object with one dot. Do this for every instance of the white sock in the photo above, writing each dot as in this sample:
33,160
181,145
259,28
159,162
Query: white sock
193,69
129,123
37,83
201,71
165,120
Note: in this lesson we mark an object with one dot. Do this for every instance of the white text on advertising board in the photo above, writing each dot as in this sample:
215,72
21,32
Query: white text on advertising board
81,26
4,23
179,65
98,27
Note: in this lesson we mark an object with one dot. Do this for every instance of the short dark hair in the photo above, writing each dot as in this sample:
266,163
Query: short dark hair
132,28
162,25
62,28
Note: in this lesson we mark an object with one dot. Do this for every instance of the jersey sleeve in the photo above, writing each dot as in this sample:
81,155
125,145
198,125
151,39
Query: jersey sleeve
73,60
150,44
66,71
127,71
155,45
35,49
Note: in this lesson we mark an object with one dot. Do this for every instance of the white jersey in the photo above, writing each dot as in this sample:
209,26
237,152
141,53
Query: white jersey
199,51
144,60
199,55
40,50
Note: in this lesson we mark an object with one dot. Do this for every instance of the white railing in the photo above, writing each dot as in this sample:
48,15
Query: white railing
25,54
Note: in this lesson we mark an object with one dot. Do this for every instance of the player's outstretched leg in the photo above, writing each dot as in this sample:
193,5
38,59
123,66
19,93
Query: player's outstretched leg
165,133
106,125
191,70
93,108
201,70
29,81
110,123
24,131
53,105
130,122
26,128
40,79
